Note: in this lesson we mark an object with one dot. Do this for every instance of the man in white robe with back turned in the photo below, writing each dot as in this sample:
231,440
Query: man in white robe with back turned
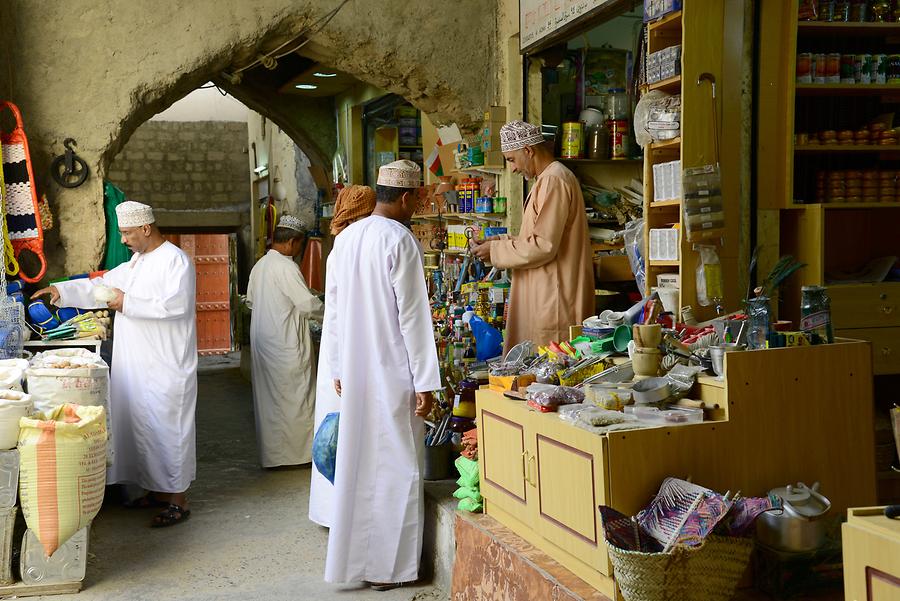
284,382
153,378
385,366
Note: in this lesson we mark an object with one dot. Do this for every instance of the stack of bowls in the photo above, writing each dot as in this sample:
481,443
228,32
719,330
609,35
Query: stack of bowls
647,356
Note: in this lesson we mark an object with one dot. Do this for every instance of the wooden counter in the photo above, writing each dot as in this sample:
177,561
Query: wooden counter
793,414
871,556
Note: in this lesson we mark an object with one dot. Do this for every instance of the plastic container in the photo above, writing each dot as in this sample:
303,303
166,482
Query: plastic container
617,105
9,479
663,244
437,462
665,417
14,405
67,564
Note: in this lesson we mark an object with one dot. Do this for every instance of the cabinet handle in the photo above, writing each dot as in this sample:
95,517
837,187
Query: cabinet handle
527,459
532,461
886,351
887,309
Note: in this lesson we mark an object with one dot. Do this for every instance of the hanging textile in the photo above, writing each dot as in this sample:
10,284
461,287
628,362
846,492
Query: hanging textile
22,216
116,252
11,266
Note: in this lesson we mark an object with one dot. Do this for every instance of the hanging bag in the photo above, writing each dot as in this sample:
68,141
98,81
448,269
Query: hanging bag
22,211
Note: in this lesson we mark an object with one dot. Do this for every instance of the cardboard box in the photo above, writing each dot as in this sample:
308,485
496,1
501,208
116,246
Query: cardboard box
495,113
514,383
490,143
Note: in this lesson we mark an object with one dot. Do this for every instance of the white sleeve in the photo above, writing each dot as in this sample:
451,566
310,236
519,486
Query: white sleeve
414,312
174,299
80,293
332,324
294,287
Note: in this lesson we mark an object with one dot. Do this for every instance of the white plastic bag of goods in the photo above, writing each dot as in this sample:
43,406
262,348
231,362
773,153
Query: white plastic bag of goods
72,375
62,471
14,405
12,372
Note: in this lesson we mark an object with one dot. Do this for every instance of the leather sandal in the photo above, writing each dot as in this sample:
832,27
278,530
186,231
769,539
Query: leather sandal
171,515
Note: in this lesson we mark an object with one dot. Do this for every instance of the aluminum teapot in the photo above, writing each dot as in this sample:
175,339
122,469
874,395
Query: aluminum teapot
799,526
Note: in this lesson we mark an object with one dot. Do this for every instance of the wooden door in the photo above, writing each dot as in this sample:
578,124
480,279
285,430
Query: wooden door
211,256
571,483
504,457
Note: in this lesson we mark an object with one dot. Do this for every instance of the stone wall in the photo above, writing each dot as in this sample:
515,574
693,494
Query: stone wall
98,69
179,165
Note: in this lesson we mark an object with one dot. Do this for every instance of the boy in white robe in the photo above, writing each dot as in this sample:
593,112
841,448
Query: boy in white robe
385,366
284,382
153,380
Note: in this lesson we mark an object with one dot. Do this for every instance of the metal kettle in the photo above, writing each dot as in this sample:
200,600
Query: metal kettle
799,526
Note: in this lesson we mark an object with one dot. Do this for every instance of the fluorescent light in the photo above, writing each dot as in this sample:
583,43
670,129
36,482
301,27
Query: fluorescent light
305,86
320,74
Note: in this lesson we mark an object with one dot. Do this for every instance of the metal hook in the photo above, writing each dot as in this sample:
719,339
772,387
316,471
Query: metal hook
68,143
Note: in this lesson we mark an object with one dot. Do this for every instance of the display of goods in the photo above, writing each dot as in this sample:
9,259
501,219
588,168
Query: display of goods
865,68
844,11
853,185
572,139
873,134
62,471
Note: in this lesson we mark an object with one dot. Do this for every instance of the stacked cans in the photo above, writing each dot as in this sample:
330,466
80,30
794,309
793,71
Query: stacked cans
822,68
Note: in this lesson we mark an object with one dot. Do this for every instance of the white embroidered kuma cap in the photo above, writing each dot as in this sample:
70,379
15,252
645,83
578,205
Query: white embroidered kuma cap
292,223
134,214
519,134
400,174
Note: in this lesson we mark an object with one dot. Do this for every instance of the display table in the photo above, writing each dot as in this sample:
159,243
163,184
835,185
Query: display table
39,346
789,415
871,556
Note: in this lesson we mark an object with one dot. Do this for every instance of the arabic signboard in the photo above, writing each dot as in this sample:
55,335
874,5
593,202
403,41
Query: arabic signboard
539,19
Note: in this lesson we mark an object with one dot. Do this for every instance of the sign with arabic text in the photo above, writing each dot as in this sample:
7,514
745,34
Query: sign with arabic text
541,18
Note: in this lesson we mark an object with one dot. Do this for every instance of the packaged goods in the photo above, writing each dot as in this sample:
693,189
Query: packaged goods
62,471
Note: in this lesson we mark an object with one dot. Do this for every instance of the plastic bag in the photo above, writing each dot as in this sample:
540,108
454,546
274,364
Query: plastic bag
324,450
634,248
488,339
647,103
467,492
551,396
470,505
709,276
468,472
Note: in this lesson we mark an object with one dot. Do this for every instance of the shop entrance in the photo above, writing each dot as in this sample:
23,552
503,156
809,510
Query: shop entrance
214,257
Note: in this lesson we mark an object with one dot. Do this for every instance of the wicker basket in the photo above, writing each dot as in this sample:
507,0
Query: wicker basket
709,572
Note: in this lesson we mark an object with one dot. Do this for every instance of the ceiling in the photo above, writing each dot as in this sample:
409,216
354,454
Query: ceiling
326,86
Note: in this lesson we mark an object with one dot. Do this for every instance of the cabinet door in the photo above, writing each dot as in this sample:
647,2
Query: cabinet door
502,455
570,476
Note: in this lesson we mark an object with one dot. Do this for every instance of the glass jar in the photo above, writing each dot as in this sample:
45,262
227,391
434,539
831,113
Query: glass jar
598,142
758,322
815,314
617,104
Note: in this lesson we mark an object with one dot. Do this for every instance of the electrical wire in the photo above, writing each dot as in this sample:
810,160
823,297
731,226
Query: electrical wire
265,59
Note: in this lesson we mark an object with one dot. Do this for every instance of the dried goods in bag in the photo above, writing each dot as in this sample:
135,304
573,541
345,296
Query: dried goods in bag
62,473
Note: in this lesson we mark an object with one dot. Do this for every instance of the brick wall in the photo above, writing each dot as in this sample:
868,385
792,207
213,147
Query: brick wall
186,165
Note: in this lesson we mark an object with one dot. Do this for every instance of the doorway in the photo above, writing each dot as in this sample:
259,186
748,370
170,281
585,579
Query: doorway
215,261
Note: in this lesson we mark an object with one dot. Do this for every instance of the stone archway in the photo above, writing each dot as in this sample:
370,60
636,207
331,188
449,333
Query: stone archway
96,70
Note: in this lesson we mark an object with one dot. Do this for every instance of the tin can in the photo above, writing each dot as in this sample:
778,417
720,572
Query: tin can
820,60
833,68
572,139
618,136
893,69
862,68
826,10
847,62
500,205
804,67
879,68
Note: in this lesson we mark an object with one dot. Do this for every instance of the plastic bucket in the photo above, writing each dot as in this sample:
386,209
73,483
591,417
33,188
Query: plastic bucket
437,462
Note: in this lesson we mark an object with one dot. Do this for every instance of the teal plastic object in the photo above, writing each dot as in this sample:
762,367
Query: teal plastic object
324,450
621,338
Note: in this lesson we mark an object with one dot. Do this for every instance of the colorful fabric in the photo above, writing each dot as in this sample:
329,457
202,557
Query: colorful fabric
353,202
519,134
116,252
626,533
742,517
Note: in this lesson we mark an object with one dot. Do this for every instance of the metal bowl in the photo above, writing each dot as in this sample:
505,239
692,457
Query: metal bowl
651,390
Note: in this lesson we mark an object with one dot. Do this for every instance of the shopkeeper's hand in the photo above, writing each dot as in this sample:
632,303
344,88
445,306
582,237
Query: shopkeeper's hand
424,401
53,291
482,250
117,303
337,387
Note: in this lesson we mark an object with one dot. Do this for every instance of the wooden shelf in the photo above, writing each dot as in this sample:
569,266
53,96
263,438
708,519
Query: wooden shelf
490,217
660,204
605,246
823,148
664,263
670,22
671,85
492,169
602,161
846,89
673,144
846,205
855,29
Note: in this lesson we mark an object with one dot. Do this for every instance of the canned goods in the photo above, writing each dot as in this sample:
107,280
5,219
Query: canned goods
847,62
804,67
818,67
858,12
893,70
500,205
618,136
826,10
572,139
842,10
879,68
862,68
833,68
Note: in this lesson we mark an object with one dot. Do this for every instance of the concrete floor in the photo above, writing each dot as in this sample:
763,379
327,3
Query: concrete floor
248,536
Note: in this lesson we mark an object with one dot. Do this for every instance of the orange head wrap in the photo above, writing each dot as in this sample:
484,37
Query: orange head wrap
353,202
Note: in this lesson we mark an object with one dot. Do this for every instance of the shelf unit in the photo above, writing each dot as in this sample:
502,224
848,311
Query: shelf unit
700,53
833,237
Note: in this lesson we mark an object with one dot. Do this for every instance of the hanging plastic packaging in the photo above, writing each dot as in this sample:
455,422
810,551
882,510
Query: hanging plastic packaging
709,276
634,248
324,449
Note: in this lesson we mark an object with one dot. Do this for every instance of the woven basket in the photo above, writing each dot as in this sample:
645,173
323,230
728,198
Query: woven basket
709,572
